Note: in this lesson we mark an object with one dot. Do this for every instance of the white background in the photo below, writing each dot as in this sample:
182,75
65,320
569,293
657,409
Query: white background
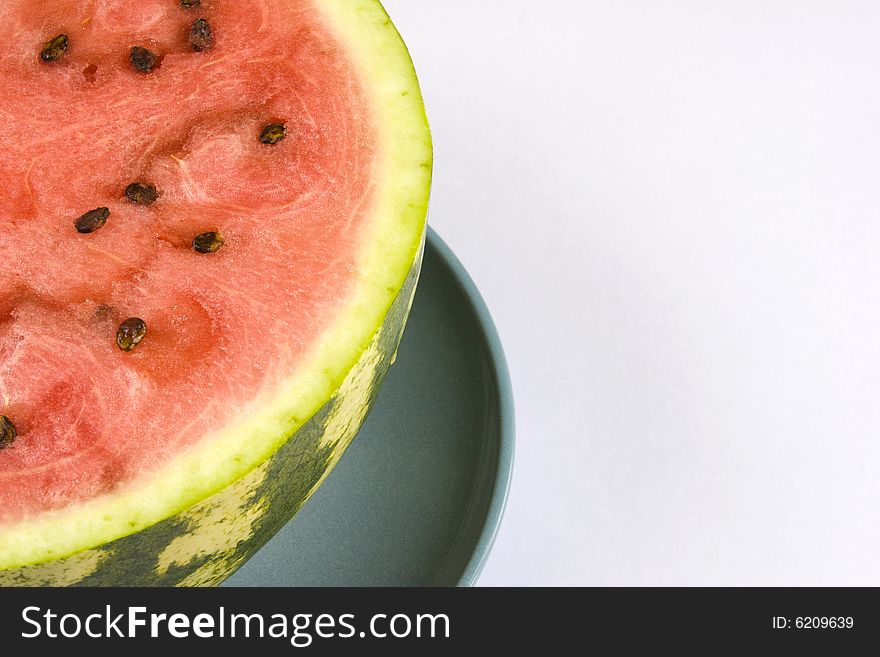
673,211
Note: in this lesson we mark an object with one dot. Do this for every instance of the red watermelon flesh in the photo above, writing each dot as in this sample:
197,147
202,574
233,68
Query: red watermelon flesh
221,326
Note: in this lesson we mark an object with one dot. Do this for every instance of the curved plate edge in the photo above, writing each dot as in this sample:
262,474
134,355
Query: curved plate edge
507,423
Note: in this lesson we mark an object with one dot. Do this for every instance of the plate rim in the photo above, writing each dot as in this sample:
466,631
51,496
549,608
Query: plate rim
506,414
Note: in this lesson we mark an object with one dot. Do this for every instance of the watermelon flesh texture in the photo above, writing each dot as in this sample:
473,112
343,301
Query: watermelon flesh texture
223,329
220,326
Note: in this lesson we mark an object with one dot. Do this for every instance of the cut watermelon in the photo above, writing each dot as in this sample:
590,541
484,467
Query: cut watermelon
212,227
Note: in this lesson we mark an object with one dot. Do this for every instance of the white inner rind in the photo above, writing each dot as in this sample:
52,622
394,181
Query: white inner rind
390,246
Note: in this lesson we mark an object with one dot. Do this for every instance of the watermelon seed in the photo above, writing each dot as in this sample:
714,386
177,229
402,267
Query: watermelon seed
189,4
273,133
92,220
209,242
55,48
141,193
201,37
7,432
130,333
142,59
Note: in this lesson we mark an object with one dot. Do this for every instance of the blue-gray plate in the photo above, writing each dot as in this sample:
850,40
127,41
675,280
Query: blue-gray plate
418,497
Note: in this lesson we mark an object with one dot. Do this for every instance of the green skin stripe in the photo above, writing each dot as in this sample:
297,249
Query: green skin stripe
208,542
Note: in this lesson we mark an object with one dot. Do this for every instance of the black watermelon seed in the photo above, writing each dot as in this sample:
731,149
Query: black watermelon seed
189,4
273,133
130,333
92,220
55,48
141,193
209,242
7,432
142,59
201,37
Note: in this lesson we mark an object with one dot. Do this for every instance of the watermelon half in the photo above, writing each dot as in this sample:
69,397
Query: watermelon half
213,216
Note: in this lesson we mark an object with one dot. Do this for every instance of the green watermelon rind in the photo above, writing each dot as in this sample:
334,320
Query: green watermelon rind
206,542
202,515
